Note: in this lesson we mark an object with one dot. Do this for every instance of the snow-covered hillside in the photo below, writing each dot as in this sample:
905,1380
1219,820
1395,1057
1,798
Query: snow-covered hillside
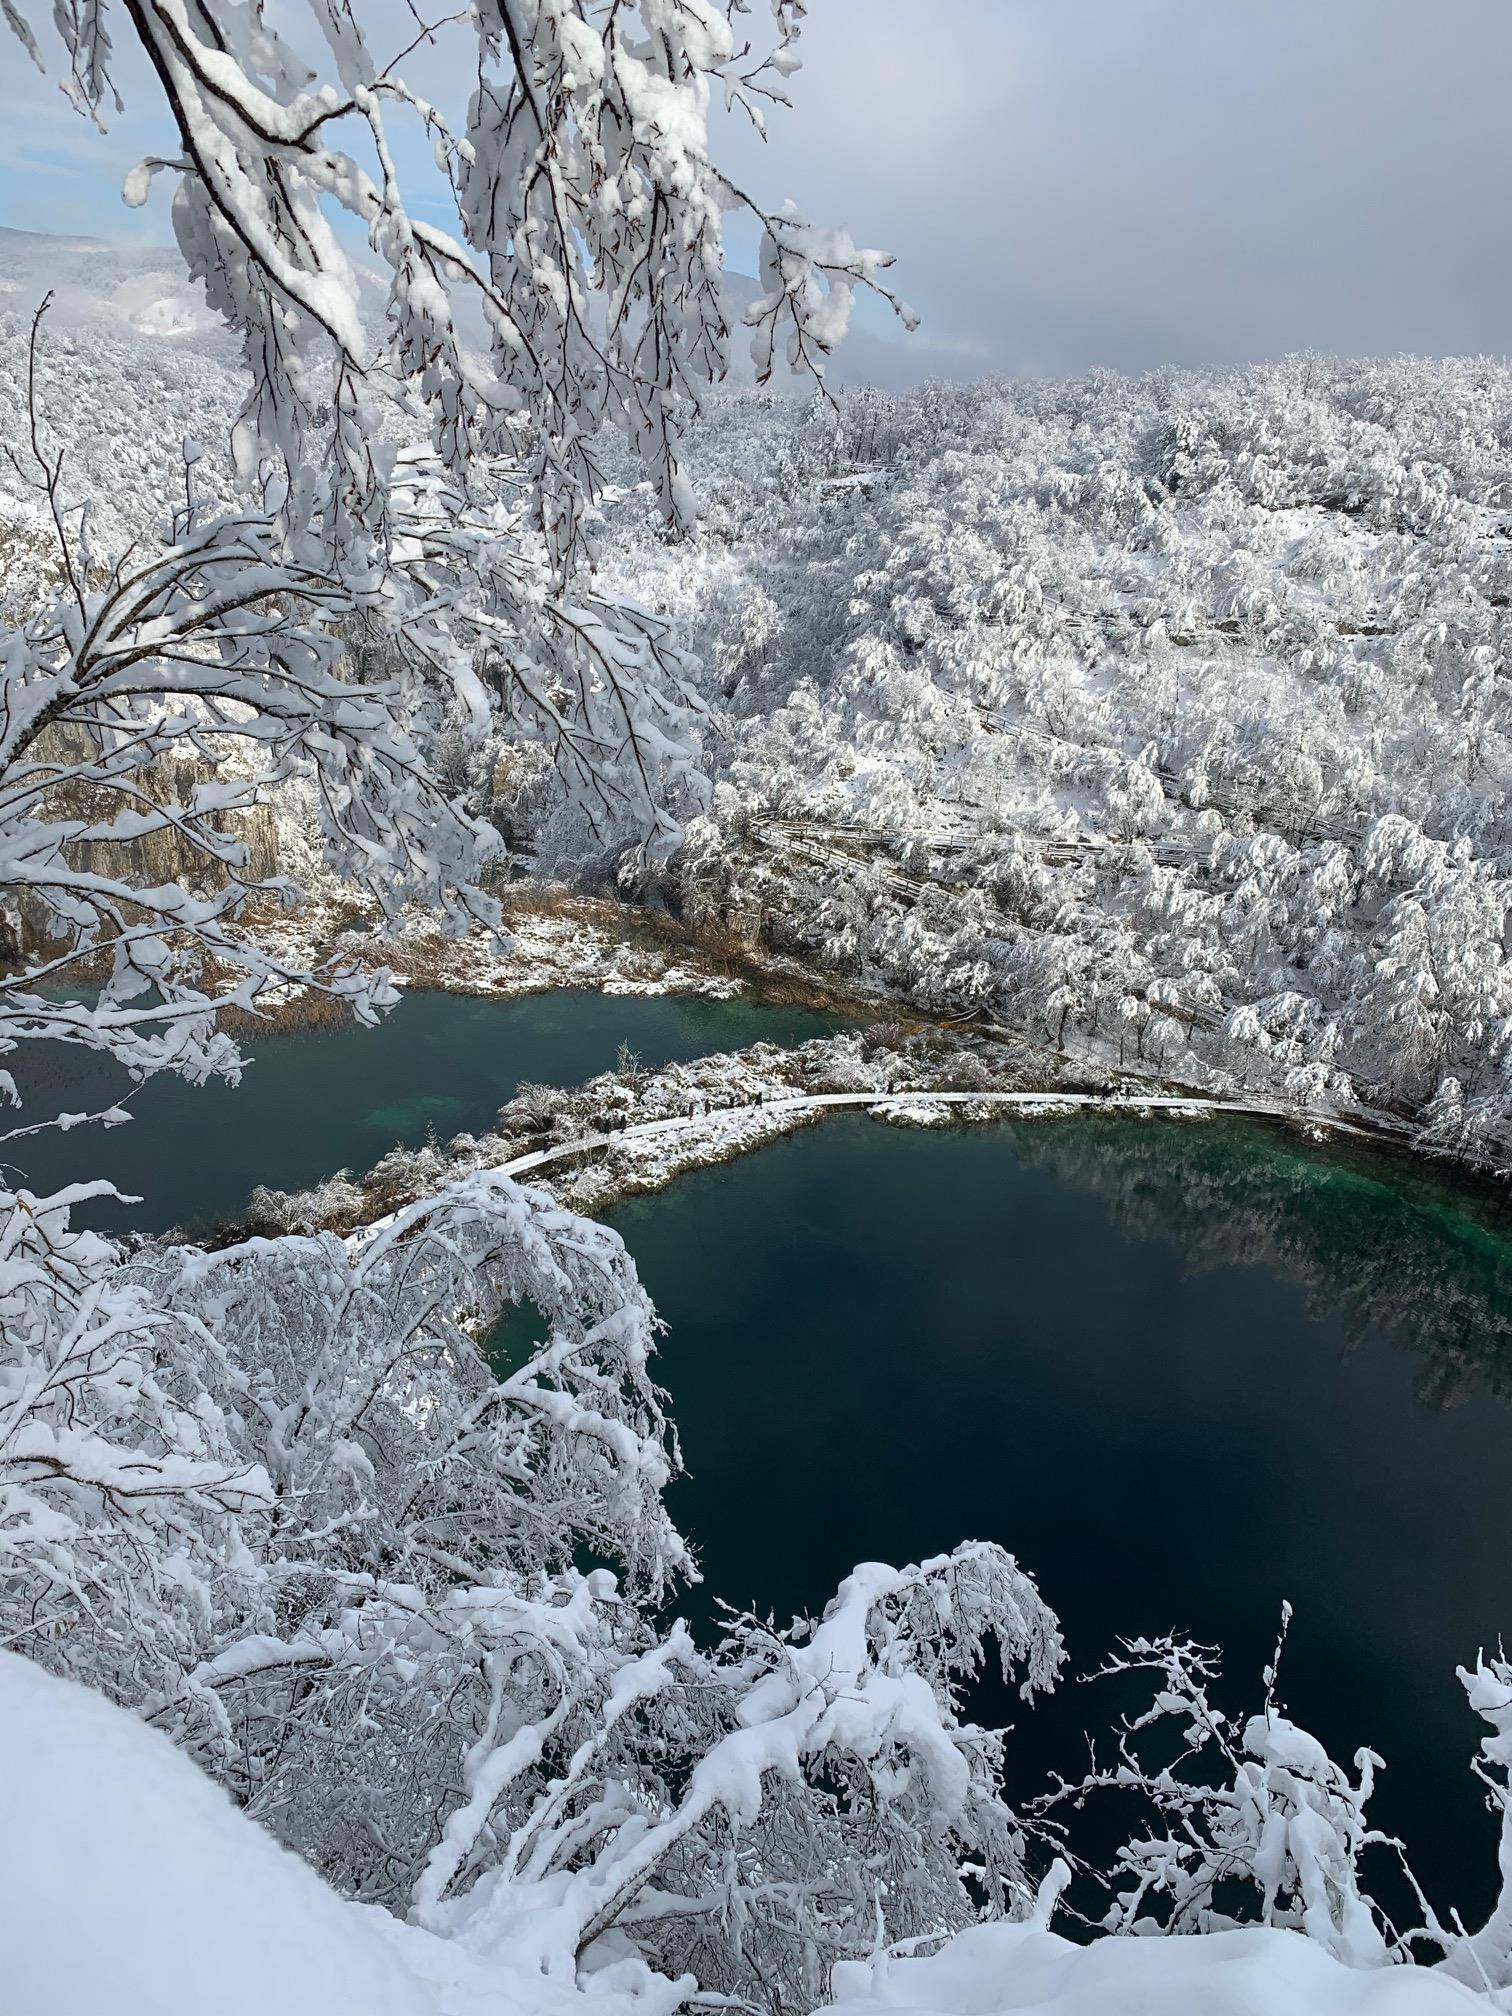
135,361
1160,720
129,289
132,364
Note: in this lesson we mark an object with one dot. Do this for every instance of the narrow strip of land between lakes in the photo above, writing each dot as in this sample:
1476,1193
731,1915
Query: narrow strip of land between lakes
1043,1105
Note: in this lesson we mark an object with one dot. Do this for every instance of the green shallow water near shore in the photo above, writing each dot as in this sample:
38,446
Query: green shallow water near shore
313,1101
1183,1370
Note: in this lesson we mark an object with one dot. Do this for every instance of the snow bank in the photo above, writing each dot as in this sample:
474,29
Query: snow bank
132,1885
995,1968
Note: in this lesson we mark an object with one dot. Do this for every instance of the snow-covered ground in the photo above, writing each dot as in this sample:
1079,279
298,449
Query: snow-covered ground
994,1969
129,1883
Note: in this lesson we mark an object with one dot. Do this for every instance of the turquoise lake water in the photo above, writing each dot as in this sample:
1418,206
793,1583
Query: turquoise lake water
1183,1371
318,1100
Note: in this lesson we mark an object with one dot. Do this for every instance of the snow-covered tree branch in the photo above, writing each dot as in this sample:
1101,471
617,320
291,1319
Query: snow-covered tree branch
341,1568
589,218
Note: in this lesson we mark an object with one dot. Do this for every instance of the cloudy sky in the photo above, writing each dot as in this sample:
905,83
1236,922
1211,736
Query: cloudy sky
1070,183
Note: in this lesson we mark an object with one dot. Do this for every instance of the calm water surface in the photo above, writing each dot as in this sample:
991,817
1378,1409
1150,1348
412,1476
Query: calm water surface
1182,1371
318,1100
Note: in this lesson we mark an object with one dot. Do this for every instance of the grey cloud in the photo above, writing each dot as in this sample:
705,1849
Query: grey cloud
1077,182
1132,182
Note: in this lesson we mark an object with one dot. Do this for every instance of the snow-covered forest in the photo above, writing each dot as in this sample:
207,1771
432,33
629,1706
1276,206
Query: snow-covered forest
1150,732
1159,720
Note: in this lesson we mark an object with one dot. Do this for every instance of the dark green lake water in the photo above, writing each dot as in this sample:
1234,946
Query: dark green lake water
315,1101
1182,1371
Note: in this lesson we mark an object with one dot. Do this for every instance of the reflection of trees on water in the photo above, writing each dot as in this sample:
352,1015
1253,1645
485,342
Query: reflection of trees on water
1378,1248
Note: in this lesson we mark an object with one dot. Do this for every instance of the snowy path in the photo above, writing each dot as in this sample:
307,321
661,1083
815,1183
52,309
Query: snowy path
722,1119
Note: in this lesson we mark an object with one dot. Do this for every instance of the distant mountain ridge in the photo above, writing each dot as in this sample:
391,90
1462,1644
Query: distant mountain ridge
126,288
143,290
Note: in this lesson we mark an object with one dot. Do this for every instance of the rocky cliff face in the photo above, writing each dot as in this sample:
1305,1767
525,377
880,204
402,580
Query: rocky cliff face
147,859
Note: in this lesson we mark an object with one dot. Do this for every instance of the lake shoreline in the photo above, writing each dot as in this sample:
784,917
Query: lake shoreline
550,938
554,940
566,939
629,1132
